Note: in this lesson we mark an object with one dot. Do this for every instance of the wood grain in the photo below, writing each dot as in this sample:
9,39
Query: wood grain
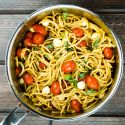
36,120
10,22
113,108
30,5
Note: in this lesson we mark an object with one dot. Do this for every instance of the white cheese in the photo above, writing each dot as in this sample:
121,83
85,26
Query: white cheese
45,22
46,90
57,42
81,85
31,29
95,35
61,97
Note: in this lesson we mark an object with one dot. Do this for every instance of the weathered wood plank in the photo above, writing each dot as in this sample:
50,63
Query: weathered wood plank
115,107
28,120
10,22
27,5
94,121
36,120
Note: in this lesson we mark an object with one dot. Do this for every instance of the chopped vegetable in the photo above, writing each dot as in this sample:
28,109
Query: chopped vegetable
49,46
71,80
89,92
82,74
96,43
65,15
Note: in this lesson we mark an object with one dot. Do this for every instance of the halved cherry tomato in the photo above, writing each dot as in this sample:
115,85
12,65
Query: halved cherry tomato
38,39
108,53
82,43
42,65
68,66
55,88
76,105
18,71
29,35
28,42
40,29
78,32
28,78
18,52
92,82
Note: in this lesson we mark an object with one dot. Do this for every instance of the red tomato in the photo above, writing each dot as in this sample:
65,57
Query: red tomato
108,53
92,82
28,42
38,39
29,35
18,52
82,43
76,105
40,29
68,66
28,78
42,65
18,71
55,88
78,32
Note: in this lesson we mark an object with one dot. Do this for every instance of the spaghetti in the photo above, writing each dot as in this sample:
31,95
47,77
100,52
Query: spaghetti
65,63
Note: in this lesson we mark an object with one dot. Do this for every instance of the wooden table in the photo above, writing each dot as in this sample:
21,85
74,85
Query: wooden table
12,12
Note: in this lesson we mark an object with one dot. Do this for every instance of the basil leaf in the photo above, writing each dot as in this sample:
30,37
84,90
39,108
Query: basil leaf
65,15
35,49
71,80
82,74
49,46
89,92
96,43
65,44
69,49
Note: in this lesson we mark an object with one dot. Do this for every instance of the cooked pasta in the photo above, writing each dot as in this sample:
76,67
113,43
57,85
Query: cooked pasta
65,63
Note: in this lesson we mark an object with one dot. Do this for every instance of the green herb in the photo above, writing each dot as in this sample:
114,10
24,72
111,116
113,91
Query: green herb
71,79
89,92
69,49
35,49
49,46
82,74
96,43
65,15
46,56
85,60
65,44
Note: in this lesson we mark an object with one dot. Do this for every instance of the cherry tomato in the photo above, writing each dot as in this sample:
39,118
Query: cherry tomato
18,52
76,105
28,78
18,71
28,42
108,53
82,43
92,83
55,88
68,66
29,35
78,32
38,39
40,29
42,65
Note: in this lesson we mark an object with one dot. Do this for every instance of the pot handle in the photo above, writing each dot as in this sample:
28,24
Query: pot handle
12,118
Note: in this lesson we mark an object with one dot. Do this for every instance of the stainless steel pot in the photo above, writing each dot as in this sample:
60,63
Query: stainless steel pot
10,63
